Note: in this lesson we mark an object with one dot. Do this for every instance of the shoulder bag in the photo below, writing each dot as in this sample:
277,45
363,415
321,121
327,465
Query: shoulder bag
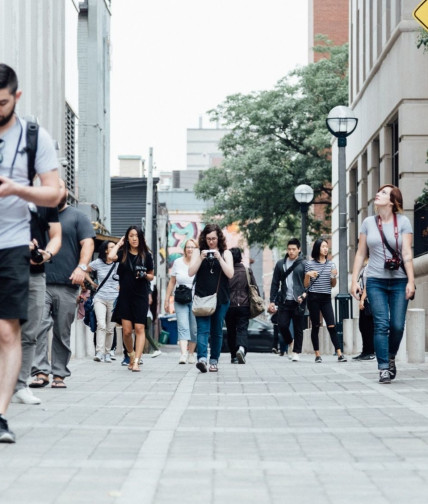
257,305
206,305
183,294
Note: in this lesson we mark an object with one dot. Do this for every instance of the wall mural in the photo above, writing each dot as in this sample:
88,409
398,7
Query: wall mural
179,233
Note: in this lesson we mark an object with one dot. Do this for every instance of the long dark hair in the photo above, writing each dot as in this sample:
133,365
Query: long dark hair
102,251
316,249
143,250
209,228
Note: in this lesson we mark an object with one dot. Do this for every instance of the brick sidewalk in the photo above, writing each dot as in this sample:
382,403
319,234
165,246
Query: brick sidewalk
270,431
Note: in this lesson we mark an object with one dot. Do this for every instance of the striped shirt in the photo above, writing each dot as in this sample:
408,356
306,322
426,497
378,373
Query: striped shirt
322,285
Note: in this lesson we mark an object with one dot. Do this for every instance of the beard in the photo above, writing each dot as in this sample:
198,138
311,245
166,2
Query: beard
62,202
5,119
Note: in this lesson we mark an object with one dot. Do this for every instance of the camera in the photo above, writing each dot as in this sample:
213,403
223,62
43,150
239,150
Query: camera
210,255
36,256
392,264
140,271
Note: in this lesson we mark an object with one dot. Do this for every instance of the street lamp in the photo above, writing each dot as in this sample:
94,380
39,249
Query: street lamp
341,122
304,195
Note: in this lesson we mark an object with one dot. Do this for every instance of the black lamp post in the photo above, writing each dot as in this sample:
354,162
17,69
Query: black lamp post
341,122
304,195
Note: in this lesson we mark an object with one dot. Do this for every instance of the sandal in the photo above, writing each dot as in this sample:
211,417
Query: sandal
58,383
213,368
131,360
39,381
136,366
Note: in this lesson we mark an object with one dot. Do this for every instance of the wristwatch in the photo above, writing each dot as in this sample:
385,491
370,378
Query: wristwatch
83,267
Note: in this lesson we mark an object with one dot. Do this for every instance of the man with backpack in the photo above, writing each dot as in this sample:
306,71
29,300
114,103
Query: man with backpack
15,193
286,289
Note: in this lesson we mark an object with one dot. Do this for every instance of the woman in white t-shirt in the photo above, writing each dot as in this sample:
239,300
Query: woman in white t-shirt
104,300
186,321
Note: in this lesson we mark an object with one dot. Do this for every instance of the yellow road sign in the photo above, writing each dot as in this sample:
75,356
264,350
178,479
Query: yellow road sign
421,14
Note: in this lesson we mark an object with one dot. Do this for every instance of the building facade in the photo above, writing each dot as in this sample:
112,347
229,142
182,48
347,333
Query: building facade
388,89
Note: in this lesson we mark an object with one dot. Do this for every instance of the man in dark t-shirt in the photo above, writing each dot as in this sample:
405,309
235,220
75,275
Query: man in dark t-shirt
46,237
63,278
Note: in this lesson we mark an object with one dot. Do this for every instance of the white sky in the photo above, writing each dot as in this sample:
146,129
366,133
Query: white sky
172,60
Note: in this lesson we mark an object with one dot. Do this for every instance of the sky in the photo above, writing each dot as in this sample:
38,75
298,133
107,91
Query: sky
173,60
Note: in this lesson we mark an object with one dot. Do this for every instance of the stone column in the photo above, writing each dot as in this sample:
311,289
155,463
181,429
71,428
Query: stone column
415,328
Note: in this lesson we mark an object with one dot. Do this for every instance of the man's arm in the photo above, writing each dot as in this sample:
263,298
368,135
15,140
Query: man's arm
48,194
55,240
78,275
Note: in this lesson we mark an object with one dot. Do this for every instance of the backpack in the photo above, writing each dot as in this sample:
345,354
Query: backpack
32,136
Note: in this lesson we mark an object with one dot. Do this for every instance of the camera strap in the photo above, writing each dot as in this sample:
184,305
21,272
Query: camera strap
395,253
106,277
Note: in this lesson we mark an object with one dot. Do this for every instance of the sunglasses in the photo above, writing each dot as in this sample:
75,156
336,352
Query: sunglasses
2,146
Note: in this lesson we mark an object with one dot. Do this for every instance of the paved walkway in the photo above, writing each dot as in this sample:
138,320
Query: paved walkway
272,431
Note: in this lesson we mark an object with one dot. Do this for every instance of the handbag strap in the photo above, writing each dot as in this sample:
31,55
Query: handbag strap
106,278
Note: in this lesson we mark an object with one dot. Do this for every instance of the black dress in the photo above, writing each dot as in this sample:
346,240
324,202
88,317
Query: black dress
133,300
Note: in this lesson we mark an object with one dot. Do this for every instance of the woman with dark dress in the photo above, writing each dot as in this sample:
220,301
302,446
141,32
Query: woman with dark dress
212,264
135,272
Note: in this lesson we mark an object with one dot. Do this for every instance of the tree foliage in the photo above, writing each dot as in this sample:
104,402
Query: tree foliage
277,140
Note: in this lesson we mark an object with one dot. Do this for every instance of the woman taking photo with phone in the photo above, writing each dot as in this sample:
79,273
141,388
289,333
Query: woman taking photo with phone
213,266
135,272
387,239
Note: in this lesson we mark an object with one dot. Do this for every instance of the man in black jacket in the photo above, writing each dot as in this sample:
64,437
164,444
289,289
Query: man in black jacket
286,289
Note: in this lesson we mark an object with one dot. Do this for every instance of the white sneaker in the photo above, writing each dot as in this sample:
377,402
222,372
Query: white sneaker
295,357
112,355
99,357
156,353
25,396
191,358
107,358
183,359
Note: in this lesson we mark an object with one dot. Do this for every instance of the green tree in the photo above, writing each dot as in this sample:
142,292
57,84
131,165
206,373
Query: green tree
278,139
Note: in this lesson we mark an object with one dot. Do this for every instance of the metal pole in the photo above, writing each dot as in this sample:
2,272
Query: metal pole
304,210
343,298
149,202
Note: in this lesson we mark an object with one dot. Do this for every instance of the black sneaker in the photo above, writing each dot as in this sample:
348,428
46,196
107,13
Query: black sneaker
384,376
368,356
202,366
234,360
318,359
6,435
274,350
392,369
342,358
358,357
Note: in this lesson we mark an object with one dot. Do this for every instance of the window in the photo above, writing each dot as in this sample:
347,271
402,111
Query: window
395,175
70,151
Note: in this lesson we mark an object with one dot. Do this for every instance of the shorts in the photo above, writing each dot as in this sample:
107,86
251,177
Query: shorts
14,281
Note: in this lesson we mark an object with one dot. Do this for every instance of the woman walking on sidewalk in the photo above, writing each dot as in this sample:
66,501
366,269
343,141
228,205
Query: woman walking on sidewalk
135,272
320,277
107,292
387,238
182,282
213,266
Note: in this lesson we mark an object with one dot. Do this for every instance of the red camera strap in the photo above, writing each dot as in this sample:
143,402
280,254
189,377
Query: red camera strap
379,226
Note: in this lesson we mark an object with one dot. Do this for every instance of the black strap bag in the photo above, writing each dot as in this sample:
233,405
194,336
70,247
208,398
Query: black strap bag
183,294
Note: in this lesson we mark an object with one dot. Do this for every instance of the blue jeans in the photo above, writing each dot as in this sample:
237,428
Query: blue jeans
389,304
211,326
186,322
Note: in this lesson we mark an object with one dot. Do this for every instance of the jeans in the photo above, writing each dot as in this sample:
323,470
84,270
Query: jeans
103,309
389,305
286,314
186,322
321,304
211,326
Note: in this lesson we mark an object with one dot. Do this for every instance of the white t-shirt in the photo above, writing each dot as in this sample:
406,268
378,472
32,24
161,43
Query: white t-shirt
14,213
180,270
110,290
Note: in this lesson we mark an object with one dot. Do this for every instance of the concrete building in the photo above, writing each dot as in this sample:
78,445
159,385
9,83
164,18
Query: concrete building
388,86
202,147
